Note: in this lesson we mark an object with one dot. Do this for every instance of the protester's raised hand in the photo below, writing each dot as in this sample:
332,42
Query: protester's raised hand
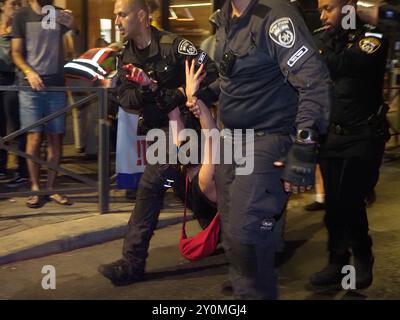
193,78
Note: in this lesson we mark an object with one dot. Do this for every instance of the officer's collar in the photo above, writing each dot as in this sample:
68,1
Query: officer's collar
226,12
155,37
359,28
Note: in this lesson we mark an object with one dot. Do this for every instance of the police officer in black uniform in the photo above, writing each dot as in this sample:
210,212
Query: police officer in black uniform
352,152
272,80
152,78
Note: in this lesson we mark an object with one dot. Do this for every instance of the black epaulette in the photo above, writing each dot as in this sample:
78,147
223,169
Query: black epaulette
167,37
261,9
372,31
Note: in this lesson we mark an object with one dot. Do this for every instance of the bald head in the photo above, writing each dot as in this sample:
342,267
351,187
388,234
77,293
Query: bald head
132,17
139,5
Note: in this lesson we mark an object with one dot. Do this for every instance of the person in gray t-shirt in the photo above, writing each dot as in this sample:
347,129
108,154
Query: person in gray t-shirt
37,51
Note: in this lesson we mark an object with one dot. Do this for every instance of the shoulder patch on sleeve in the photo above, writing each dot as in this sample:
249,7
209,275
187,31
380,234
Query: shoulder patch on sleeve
296,57
187,48
369,45
373,34
282,32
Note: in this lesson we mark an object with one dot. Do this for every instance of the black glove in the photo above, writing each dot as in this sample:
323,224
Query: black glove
206,95
300,164
148,95
168,99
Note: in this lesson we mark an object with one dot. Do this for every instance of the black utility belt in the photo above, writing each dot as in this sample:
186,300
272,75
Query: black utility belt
356,130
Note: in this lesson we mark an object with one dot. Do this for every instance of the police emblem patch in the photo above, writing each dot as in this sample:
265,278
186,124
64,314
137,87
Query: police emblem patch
369,45
282,32
187,48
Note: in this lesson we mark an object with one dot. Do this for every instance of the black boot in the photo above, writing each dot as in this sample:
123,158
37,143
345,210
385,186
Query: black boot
364,275
121,273
331,275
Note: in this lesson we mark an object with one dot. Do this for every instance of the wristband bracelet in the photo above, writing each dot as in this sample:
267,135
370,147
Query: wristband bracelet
27,71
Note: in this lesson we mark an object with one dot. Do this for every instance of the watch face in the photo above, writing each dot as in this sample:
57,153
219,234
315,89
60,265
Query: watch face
303,134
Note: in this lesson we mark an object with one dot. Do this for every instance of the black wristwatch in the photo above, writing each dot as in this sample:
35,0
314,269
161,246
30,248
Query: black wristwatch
306,136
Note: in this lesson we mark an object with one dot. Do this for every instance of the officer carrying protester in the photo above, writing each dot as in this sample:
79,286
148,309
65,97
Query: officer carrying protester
151,81
272,80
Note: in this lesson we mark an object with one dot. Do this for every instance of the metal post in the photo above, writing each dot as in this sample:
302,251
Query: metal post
104,152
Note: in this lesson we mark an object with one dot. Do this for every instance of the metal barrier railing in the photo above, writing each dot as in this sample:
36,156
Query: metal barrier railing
102,186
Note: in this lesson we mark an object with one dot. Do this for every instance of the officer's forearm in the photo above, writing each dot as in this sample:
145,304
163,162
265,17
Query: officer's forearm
315,92
210,94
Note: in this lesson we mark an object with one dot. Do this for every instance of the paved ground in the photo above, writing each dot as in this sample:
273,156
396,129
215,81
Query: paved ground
172,277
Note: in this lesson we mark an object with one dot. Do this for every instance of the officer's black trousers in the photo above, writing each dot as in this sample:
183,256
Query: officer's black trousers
247,203
144,218
347,182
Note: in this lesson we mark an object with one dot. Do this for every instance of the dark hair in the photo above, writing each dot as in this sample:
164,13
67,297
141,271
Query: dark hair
43,3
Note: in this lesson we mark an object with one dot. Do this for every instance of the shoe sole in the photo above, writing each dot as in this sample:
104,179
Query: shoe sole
118,283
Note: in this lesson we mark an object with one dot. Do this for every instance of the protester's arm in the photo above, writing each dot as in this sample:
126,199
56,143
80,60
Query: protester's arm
208,124
207,170
175,118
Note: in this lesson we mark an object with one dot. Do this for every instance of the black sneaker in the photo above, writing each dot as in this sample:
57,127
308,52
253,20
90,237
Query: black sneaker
331,275
121,273
3,176
364,275
315,206
17,182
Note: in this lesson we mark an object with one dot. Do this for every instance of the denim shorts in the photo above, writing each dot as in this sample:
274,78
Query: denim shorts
37,105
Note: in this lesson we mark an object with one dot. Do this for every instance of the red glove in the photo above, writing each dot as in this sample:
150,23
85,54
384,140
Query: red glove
138,76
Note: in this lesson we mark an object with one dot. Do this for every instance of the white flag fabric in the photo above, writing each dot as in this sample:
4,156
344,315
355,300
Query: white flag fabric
131,151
